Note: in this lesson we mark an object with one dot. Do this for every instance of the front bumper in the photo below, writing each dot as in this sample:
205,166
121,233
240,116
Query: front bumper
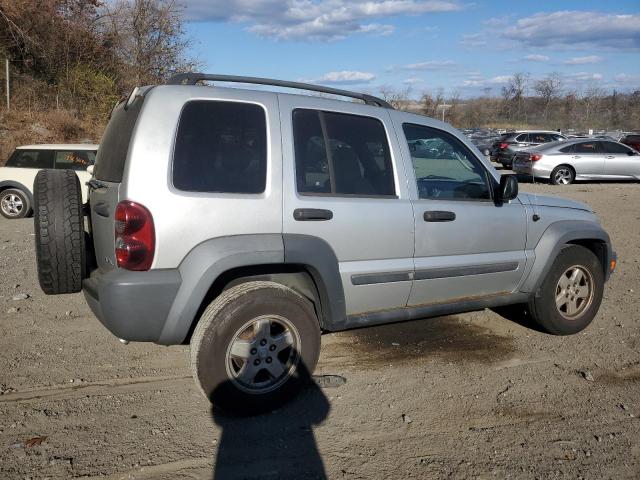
132,305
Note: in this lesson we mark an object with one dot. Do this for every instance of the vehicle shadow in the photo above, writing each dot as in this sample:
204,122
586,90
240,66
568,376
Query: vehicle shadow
276,445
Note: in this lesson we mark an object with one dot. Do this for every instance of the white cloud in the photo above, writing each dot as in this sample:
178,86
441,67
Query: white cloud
413,81
473,40
475,81
628,79
537,58
430,65
313,20
577,29
345,77
584,76
583,60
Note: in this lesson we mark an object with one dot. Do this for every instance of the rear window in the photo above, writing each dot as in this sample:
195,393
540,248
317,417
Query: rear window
631,138
31,159
221,147
114,145
74,159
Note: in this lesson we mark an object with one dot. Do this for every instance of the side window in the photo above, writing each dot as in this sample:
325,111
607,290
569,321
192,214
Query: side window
74,160
587,148
341,154
523,137
538,138
615,148
445,169
31,159
568,149
557,137
221,147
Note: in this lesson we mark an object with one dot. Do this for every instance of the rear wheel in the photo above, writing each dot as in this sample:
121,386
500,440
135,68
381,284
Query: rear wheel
562,175
14,203
570,295
254,347
59,228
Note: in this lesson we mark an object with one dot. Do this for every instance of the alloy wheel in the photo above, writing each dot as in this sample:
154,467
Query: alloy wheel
263,354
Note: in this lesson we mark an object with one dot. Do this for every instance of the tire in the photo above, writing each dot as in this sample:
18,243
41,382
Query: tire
14,203
59,228
252,318
562,175
551,307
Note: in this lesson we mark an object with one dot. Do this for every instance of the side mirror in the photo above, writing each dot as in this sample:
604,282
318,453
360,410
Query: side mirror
631,153
90,170
508,189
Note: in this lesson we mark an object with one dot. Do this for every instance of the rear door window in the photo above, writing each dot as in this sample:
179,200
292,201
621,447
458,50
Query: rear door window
341,154
221,147
587,148
31,159
568,149
74,159
523,137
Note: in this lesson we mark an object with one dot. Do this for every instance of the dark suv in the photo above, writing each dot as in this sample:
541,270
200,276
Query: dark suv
505,148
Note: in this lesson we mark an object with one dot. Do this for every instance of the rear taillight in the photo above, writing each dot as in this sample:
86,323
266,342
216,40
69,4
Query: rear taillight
503,146
535,157
135,236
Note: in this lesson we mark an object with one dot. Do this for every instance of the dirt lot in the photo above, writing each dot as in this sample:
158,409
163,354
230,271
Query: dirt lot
471,395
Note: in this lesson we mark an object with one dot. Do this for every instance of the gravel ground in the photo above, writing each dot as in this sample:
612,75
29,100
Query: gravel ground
463,396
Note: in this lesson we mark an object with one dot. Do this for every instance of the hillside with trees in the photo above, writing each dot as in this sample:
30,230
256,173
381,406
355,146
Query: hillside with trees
70,61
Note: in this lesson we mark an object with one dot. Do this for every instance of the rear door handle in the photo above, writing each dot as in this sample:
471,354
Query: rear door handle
609,156
439,216
312,214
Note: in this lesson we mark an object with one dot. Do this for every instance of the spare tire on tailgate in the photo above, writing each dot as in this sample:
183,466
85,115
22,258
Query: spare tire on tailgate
59,228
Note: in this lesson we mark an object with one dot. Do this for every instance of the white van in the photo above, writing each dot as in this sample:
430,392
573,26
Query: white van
16,177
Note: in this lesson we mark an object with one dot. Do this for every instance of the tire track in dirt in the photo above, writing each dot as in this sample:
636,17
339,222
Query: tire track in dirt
115,386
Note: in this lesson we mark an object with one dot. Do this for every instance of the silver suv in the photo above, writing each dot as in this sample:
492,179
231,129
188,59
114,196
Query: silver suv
247,222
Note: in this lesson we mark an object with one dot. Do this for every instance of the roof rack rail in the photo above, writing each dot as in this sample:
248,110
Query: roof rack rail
193,78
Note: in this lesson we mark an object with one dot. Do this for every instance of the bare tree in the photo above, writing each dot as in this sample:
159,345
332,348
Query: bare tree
514,94
149,39
549,89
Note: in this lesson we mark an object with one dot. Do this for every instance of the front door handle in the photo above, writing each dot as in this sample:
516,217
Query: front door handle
609,157
439,216
312,214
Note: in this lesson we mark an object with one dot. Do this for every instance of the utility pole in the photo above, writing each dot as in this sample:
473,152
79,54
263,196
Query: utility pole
6,65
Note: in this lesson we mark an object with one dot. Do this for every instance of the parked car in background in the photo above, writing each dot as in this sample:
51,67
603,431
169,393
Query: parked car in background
504,149
632,140
580,159
16,177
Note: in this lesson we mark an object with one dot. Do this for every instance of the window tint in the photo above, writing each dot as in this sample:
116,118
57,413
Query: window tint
568,149
74,160
341,154
587,147
523,137
539,138
632,138
556,137
445,169
221,147
31,159
611,147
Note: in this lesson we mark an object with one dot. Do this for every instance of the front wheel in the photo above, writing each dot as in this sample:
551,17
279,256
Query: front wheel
571,293
14,203
562,175
254,347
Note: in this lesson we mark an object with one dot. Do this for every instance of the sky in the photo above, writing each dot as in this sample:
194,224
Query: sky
464,48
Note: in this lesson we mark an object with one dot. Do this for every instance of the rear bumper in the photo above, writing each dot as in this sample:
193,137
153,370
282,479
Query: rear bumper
132,305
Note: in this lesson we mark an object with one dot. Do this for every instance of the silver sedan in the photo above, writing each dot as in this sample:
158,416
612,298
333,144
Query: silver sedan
579,159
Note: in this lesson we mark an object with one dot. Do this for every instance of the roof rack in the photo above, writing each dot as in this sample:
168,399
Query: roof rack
193,78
